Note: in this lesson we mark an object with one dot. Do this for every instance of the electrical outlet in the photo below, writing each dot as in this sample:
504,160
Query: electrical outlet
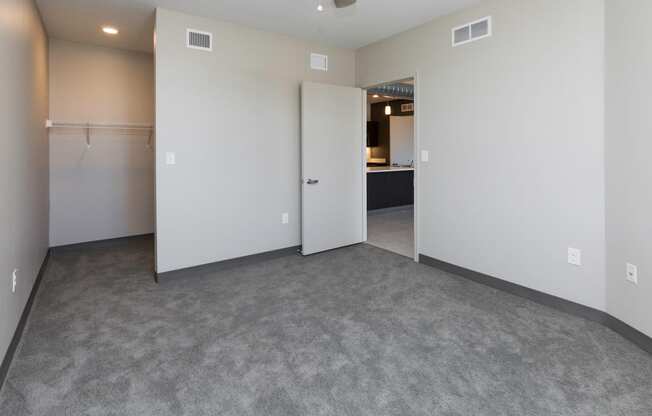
14,278
575,256
285,218
170,158
632,273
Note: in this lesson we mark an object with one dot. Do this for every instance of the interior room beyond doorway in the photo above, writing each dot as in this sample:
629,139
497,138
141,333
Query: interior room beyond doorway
391,167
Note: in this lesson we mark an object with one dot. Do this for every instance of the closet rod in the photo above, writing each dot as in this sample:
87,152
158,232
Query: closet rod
96,126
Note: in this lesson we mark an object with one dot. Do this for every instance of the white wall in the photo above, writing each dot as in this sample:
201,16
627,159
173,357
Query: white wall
23,157
514,128
106,191
629,167
232,118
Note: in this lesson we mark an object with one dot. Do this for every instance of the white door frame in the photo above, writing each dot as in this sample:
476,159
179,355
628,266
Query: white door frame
417,156
364,165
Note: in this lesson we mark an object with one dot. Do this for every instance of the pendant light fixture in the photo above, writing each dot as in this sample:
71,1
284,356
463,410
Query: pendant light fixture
110,30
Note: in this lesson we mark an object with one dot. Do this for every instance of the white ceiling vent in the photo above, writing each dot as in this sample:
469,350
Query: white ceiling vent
318,62
471,32
196,39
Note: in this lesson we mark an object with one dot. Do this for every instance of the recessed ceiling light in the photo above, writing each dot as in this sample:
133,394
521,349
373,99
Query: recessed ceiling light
376,96
110,30
320,7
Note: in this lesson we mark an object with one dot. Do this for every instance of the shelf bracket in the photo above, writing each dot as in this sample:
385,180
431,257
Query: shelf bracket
88,135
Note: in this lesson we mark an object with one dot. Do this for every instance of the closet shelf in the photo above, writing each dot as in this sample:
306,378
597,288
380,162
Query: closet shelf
87,127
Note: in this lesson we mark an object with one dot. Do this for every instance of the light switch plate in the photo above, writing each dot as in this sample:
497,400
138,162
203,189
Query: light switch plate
170,158
575,256
285,218
425,156
632,273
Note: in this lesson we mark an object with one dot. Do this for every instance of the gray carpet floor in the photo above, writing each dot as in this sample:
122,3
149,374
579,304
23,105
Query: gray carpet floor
392,230
357,331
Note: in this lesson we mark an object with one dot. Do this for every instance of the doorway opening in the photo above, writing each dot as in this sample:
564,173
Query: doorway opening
391,166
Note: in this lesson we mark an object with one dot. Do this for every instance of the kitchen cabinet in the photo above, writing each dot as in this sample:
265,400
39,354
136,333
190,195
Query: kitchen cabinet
389,188
372,133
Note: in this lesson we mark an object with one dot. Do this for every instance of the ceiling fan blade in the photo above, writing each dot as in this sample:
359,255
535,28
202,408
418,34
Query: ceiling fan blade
344,3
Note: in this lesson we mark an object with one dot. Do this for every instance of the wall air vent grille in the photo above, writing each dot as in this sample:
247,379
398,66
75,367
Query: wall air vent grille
196,39
471,32
318,62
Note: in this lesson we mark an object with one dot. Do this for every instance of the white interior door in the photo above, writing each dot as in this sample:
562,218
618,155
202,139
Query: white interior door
332,167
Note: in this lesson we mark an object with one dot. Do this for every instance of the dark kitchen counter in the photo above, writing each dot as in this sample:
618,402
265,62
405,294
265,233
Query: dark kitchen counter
377,169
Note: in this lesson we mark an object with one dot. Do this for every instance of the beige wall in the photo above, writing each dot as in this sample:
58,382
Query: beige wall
232,118
23,158
106,191
629,170
514,128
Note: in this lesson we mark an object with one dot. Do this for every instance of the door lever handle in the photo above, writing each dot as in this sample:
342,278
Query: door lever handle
312,181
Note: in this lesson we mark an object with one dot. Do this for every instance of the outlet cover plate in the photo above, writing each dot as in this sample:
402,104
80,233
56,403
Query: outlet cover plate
632,273
574,256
